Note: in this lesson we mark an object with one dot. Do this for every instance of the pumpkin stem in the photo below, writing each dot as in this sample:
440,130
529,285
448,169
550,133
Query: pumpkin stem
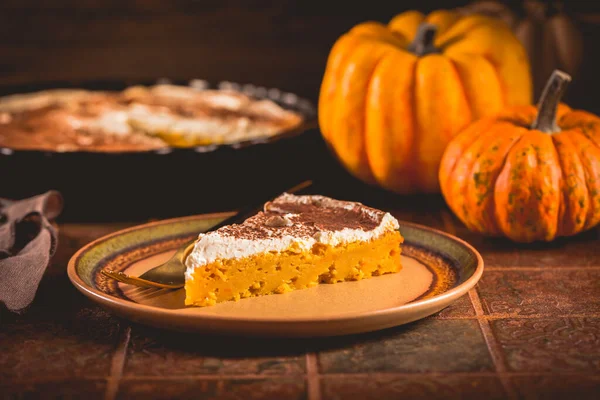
422,44
556,86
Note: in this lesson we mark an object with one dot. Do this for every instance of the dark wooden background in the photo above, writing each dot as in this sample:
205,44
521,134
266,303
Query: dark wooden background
280,43
531,328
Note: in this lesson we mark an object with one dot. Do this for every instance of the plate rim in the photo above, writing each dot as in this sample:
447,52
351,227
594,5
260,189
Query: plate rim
130,306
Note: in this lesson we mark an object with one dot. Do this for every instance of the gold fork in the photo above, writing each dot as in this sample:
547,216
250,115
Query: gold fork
171,274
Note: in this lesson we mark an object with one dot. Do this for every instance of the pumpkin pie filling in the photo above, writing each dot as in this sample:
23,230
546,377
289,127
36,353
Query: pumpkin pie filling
297,242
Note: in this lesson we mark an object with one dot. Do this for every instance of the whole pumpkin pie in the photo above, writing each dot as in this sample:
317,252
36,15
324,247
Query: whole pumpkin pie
138,118
297,242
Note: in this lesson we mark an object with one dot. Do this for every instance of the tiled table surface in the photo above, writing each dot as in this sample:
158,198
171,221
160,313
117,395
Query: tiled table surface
530,329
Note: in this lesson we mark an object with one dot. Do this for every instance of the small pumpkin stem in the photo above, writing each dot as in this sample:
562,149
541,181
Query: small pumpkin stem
422,44
556,86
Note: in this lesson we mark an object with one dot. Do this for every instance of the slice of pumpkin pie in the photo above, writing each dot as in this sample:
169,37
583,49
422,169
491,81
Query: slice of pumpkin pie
296,243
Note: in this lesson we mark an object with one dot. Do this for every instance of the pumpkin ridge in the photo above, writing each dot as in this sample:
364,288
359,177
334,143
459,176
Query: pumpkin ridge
411,171
515,195
403,20
380,40
451,181
442,111
496,42
475,147
462,88
456,150
556,161
372,30
593,215
449,37
486,100
456,37
365,154
489,180
585,131
503,87
444,19
387,165
494,65
335,64
356,161
568,169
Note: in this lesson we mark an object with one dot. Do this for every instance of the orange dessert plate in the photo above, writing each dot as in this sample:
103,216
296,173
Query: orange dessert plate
437,269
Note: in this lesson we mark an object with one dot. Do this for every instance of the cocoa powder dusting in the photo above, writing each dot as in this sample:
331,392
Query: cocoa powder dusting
309,215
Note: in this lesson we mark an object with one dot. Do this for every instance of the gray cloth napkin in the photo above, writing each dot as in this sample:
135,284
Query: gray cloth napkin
27,242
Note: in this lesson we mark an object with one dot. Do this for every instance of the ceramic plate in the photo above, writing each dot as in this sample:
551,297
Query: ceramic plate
437,270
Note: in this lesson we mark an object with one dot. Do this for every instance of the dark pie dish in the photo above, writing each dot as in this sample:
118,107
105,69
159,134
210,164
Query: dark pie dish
170,181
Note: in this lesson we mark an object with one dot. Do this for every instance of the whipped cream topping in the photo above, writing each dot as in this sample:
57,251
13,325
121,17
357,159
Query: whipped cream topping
291,222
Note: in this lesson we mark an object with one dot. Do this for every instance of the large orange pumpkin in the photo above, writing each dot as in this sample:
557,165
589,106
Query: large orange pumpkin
393,96
528,174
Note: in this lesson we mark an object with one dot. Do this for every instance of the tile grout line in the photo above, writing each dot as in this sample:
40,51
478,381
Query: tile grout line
487,331
448,225
492,345
518,316
356,375
117,365
542,268
312,377
484,324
